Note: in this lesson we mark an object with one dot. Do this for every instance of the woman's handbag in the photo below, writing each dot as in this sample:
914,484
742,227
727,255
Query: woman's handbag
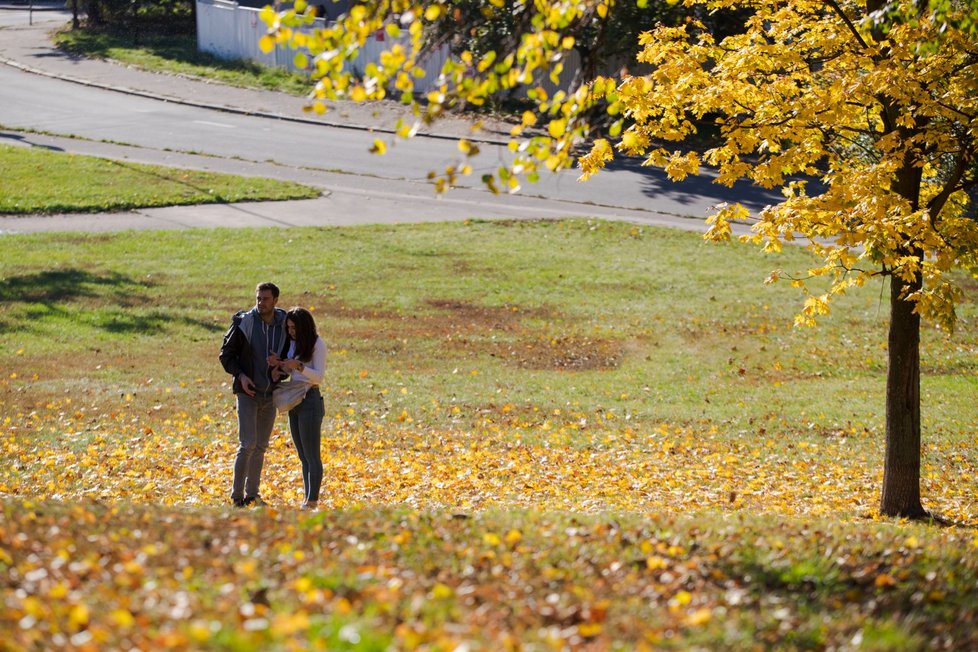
287,395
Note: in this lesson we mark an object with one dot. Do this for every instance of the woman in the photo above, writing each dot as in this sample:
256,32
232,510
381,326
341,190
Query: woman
306,363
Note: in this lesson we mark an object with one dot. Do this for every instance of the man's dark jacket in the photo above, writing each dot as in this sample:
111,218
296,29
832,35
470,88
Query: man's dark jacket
236,356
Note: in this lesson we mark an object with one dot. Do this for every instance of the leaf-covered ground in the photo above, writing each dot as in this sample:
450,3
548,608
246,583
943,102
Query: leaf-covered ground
588,534
559,435
537,460
88,575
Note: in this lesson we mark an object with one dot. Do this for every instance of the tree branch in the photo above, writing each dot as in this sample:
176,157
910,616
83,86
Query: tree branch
935,205
852,28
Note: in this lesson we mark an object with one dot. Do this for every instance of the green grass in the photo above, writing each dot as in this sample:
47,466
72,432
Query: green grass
178,54
648,324
41,181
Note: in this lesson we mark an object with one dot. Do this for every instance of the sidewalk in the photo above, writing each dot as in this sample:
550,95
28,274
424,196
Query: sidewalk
29,48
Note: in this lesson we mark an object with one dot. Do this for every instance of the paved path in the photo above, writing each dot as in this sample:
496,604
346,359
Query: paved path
347,199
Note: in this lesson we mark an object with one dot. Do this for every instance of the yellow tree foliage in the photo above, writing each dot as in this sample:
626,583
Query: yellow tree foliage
811,89
864,113
817,90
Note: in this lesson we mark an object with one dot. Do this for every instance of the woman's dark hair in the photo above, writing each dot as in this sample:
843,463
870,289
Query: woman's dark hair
305,332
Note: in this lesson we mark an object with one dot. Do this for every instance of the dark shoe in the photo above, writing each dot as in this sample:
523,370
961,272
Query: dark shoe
254,500
237,502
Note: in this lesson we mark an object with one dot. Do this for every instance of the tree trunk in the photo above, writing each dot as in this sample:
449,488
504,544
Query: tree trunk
901,468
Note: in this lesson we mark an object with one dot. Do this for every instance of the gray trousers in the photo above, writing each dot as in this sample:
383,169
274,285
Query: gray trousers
256,418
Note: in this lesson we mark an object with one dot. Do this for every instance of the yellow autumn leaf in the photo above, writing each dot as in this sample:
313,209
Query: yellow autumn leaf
267,15
656,563
681,599
199,632
358,94
78,616
266,44
589,630
884,580
287,624
58,591
442,592
699,617
122,618
556,128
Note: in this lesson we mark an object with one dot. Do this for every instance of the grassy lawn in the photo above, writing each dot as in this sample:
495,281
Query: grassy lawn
178,54
41,181
540,434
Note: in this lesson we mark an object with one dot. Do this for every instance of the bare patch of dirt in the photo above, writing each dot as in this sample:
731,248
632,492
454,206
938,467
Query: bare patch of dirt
471,317
471,330
561,353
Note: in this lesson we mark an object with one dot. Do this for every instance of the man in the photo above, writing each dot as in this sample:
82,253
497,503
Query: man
253,336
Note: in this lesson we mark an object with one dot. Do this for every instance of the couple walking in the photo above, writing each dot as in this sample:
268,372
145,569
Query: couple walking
264,346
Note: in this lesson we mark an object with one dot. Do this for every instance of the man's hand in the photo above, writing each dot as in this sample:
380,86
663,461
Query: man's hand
247,386
276,367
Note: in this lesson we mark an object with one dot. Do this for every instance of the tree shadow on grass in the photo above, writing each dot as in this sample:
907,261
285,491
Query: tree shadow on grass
153,323
58,286
46,294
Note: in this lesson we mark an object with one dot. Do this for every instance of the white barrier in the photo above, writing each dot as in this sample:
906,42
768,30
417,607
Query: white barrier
229,31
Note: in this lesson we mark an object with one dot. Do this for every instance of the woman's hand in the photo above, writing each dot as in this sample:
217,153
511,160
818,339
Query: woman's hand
287,364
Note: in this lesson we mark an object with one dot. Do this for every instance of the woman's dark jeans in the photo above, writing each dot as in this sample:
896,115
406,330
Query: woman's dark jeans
306,425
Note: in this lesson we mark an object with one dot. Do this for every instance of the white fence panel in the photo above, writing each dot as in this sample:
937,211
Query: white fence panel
216,22
230,31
